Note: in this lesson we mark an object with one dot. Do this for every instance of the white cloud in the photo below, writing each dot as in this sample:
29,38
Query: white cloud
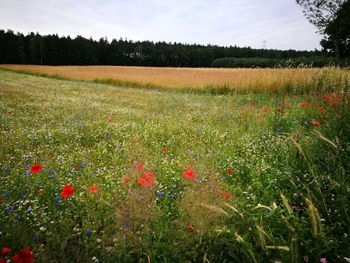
222,22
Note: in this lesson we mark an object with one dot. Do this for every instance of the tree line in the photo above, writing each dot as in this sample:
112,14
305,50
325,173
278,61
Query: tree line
33,48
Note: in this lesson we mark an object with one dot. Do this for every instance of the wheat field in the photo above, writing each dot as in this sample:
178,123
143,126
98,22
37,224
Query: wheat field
183,78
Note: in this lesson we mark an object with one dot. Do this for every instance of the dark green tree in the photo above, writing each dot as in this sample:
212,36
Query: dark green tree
338,31
322,13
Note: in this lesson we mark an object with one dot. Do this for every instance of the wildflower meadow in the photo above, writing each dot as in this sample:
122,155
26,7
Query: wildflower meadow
99,173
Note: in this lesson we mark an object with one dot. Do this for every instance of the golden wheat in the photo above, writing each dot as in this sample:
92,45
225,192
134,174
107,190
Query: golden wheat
180,78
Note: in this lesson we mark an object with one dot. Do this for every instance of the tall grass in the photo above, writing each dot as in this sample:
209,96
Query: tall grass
217,81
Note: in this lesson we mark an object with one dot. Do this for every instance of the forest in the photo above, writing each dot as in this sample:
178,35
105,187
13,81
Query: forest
33,48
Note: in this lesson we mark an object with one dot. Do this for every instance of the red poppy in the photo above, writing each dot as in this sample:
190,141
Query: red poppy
228,195
297,136
321,110
24,256
146,179
164,149
303,104
93,189
75,165
36,168
260,117
190,228
189,174
315,123
126,179
139,167
279,109
67,191
5,251
3,260
230,171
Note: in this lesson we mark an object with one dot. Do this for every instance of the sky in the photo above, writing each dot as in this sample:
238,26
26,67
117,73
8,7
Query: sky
272,24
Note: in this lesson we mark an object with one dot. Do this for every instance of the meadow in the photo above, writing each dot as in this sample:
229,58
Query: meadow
104,173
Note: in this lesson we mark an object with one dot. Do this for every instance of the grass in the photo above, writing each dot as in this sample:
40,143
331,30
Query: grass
217,81
250,177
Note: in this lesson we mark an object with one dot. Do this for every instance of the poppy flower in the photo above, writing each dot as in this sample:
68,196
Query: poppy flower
36,168
321,110
23,256
229,171
228,195
219,193
164,149
315,123
5,251
297,136
67,191
93,189
146,179
190,228
75,165
189,174
139,167
126,179
303,104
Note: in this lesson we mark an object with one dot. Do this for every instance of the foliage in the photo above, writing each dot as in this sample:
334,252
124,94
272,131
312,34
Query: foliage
331,17
338,30
320,12
55,50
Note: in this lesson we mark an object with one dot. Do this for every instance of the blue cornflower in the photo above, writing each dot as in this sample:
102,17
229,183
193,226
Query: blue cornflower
10,208
17,216
29,211
126,224
52,172
7,171
197,180
88,232
160,193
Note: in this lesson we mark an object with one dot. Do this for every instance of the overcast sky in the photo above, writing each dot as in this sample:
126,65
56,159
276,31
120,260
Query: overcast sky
277,24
